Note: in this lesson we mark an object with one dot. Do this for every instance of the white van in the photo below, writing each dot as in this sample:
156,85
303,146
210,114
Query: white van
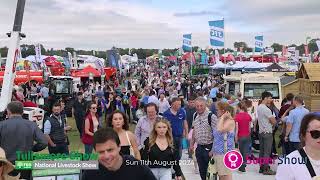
252,85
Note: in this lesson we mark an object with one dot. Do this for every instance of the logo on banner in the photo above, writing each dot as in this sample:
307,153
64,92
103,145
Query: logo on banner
187,43
258,43
217,33
233,159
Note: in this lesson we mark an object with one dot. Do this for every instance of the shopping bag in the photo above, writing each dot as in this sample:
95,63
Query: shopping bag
212,173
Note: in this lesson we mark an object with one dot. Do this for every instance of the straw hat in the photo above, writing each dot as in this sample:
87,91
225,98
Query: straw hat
7,167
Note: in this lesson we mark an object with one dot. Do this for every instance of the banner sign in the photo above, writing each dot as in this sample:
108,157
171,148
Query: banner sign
217,33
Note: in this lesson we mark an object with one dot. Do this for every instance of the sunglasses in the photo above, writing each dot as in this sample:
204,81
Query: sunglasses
315,134
93,107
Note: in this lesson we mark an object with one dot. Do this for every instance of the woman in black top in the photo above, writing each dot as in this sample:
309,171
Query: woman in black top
128,143
161,153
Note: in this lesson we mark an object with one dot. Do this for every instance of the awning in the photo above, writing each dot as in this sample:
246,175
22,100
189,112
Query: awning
87,72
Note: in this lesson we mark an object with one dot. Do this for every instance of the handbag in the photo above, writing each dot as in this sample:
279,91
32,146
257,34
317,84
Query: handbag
212,173
131,149
41,101
308,164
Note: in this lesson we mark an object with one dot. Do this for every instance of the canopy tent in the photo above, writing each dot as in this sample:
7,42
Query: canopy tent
87,59
32,58
274,68
240,65
52,61
87,72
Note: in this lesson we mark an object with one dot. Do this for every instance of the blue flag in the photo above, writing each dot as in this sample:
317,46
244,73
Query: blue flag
217,33
187,47
258,43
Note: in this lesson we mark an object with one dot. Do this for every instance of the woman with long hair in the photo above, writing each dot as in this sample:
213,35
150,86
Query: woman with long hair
91,124
119,122
97,101
161,152
223,139
306,160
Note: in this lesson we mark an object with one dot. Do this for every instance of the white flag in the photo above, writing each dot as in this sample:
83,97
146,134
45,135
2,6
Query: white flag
38,52
216,55
318,44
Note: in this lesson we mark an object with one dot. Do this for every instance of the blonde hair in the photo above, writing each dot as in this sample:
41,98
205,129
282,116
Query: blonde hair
153,134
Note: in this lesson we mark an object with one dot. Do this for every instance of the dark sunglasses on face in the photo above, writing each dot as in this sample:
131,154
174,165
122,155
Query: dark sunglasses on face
93,107
315,134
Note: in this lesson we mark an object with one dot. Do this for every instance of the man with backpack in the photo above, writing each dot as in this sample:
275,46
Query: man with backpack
203,123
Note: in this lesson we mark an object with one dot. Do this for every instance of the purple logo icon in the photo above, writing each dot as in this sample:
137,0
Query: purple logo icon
233,159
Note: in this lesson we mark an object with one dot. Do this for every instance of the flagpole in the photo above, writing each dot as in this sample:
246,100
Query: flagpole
191,62
224,49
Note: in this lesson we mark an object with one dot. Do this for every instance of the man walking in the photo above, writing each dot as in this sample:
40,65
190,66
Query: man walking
293,123
78,111
177,118
203,124
266,122
55,131
18,134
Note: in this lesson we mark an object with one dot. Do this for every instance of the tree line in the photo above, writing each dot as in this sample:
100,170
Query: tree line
27,49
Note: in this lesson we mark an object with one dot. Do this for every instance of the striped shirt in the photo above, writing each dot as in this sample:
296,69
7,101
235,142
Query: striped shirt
202,129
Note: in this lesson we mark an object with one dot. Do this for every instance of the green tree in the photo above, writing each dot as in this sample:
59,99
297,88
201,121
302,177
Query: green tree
313,45
277,47
237,45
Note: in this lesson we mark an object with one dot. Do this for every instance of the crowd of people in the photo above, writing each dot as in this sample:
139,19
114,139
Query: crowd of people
147,113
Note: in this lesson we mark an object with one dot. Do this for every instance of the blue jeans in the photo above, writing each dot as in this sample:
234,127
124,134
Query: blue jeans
88,148
178,146
202,155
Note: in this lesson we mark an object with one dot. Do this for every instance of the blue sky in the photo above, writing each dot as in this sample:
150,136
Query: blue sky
101,24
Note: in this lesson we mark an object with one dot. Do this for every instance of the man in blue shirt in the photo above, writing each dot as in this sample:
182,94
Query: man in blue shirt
177,118
293,123
213,93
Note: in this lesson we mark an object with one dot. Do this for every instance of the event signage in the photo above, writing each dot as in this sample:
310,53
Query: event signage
258,43
187,47
217,33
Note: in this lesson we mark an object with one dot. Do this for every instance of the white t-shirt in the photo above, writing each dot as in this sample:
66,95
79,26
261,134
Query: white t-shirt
296,171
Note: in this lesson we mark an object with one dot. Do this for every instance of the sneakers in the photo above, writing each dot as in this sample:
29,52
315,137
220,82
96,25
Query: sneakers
260,170
269,172
242,169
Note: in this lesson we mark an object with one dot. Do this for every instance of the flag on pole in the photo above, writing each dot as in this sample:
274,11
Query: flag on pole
70,59
306,50
318,44
258,43
187,47
38,52
284,50
217,33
